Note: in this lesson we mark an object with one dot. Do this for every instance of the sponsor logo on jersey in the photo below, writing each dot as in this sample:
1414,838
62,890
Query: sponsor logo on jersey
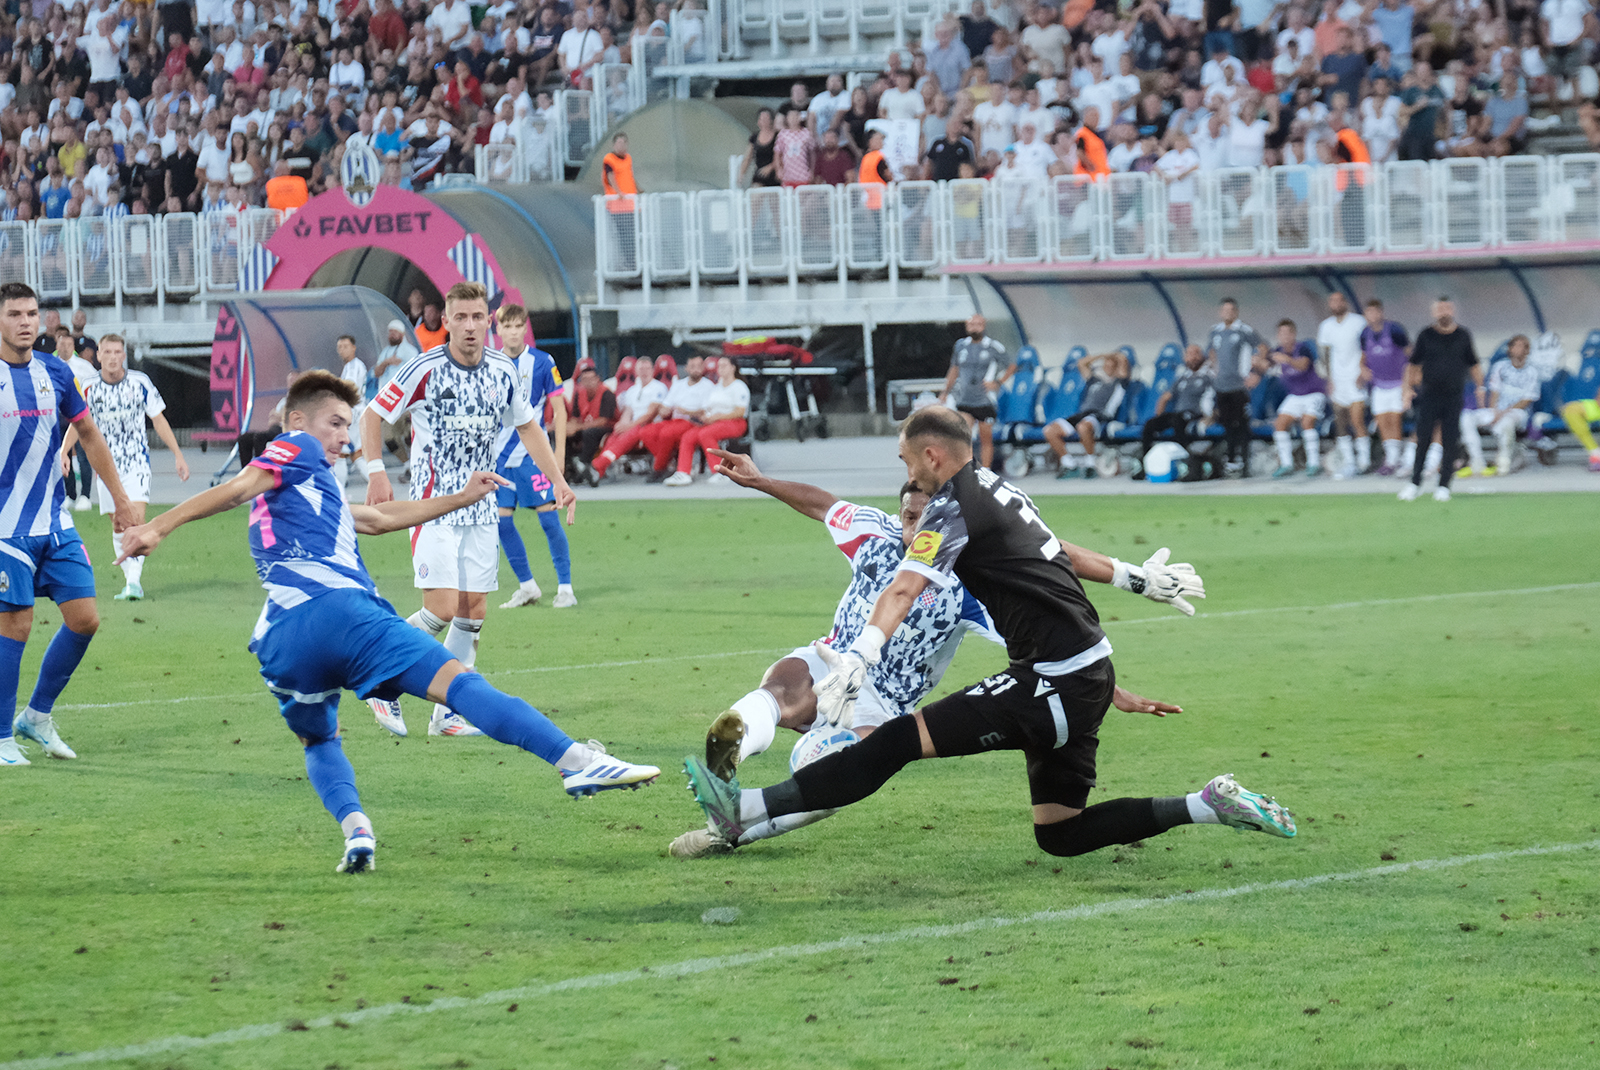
468,422
391,396
924,546
280,452
843,517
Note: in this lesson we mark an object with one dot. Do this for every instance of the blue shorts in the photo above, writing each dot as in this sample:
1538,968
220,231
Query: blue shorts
56,566
529,488
345,640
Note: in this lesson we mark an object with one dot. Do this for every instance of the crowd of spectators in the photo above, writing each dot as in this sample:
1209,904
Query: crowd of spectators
1181,86
109,107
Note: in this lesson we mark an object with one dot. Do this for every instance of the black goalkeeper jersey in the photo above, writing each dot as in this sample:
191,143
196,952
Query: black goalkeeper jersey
985,532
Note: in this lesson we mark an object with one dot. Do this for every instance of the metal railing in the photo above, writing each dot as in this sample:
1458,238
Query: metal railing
734,26
1231,213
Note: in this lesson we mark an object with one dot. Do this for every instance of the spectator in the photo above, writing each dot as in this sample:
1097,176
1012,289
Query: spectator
684,404
1564,23
948,59
1440,363
1183,409
1507,112
1236,353
996,120
835,164
1295,361
580,49
1421,104
1513,391
949,152
1000,58
902,102
794,150
1105,384
1091,149
1343,70
854,119
430,330
977,29
760,161
826,106
1046,39
286,192
639,406
722,417
594,413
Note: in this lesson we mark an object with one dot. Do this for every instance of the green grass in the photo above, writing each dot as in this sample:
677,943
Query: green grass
178,878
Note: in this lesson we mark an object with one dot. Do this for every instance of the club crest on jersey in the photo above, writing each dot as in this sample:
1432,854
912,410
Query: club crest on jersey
924,545
5,582
279,452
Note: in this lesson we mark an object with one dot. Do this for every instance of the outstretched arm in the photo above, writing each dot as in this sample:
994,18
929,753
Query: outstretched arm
396,514
1155,579
803,498
142,540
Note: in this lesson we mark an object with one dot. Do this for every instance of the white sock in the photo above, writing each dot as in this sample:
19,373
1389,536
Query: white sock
462,640
1199,812
1391,451
752,807
1506,432
1408,455
777,826
576,757
1363,452
1434,456
1313,442
422,620
133,567
357,820
563,588
760,712
33,716
1347,453
1285,446
1470,439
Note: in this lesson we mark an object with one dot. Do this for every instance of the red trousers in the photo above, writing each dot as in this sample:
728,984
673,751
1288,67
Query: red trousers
659,438
706,437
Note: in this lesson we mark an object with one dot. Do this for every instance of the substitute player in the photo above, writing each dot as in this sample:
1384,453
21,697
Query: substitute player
1339,337
975,370
40,551
1385,348
120,401
324,628
980,530
457,394
539,380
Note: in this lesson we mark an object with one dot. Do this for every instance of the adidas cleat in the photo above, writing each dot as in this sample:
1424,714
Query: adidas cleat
358,853
1241,809
697,843
445,723
43,733
719,798
722,744
11,753
387,711
605,773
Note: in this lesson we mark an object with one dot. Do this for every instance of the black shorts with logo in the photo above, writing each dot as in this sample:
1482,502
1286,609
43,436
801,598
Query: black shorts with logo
1053,720
981,413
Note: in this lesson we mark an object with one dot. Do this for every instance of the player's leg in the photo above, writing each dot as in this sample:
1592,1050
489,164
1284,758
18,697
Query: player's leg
555,537
748,727
1362,435
66,577
332,777
1313,442
617,446
138,490
986,443
16,621
1578,415
1086,430
1505,433
476,573
1427,422
1055,436
1472,422
1283,441
1342,441
1450,443
521,492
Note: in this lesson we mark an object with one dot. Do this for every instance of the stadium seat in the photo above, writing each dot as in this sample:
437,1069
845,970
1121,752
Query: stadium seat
1137,405
1169,359
625,375
666,368
711,368
1582,385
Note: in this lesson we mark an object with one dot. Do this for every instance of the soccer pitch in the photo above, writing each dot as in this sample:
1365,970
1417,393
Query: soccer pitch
1415,682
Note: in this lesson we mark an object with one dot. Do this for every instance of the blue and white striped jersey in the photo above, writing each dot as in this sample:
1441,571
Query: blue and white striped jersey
37,401
302,535
538,379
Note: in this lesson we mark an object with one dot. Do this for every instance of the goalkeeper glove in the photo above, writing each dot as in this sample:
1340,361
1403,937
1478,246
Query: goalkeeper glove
847,671
1159,581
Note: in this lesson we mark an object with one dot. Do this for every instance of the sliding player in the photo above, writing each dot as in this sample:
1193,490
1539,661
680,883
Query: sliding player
121,400
324,628
40,551
1049,702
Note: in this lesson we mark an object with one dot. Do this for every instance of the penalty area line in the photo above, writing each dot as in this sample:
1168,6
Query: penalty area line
693,967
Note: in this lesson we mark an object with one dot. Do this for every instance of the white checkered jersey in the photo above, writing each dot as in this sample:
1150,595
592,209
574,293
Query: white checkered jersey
455,417
538,379
921,649
1510,384
119,410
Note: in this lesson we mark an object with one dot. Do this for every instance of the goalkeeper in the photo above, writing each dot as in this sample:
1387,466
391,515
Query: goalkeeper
983,532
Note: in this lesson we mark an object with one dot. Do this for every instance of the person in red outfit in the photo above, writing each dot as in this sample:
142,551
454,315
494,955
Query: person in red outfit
722,418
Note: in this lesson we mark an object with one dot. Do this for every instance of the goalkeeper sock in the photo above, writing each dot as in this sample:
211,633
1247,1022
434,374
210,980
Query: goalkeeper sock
760,712
777,826
560,552
848,775
516,553
1107,823
425,621
1199,812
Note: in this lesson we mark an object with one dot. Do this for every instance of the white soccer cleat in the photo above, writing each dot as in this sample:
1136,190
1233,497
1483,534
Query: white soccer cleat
81,505
130,593
11,754
43,733
679,479
359,853
565,599
527,594
604,773
445,723
1408,493
697,843
1441,494
387,711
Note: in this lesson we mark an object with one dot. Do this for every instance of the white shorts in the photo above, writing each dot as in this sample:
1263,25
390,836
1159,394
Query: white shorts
1348,393
1301,405
1481,418
871,708
1387,399
459,557
135,484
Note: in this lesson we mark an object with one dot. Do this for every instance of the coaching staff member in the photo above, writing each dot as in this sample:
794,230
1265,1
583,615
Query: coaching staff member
1440,362
973,364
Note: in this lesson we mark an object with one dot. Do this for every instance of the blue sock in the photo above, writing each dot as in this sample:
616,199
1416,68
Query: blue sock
516,553
550,520
61,658
10,673
506,718
334,778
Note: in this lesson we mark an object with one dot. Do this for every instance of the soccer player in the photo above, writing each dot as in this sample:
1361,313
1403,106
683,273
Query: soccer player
120,400
1103,391
1339,337
1578,416
457,394
537,379
324,628
40,551
1296,363
1513,391
975,365
980,530
1385,347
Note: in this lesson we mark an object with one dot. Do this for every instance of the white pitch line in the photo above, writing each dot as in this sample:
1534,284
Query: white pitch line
692,967
1166,619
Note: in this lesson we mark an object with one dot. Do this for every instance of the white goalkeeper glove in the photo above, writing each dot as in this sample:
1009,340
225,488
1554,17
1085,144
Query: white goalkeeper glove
1159,581
847,671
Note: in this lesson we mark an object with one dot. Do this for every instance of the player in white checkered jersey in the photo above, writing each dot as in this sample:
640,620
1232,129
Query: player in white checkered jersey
456,394
1513,391
120,400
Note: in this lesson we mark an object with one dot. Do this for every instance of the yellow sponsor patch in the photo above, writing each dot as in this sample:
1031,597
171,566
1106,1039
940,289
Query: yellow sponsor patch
924,545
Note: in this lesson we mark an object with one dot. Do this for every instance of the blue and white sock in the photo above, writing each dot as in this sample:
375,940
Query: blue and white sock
333,778
560,553
516,552
61,658
511,720
10,674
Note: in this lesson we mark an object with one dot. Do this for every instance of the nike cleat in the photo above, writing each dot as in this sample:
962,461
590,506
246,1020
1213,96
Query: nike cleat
11,754
605,773
722,744
359,849
131,593
526,594
43,733
719,798
697,843
387,711
1241,809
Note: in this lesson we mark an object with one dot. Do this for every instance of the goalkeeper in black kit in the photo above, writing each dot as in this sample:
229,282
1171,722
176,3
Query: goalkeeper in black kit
1048,703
